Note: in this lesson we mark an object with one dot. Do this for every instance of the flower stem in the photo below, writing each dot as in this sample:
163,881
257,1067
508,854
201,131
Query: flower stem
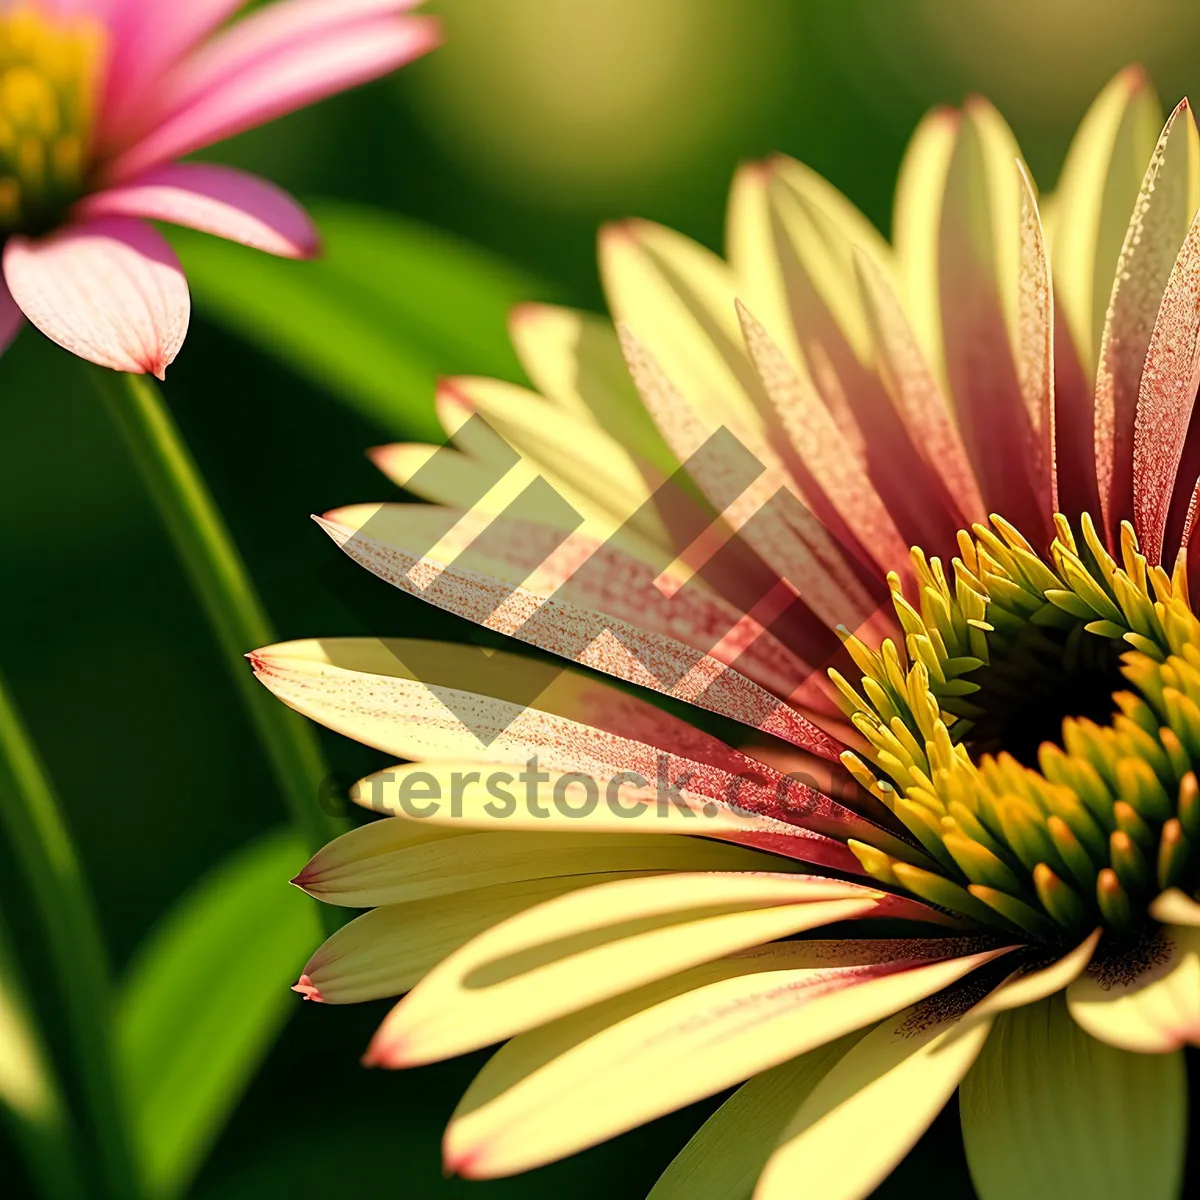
43,846
219,576
30,1092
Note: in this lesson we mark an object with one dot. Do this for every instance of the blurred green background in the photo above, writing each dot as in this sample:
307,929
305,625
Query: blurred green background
537,120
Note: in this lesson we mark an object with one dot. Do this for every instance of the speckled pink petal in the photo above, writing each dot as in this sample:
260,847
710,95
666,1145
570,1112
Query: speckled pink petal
217,200
1166,397
302,74
109,290
1156,230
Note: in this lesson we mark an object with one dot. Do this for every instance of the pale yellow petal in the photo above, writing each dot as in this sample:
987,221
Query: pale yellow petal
575,360
580,949
871,1107
919,193
388,950
393,860
1027,987
1174,907
725,1157
1089,212
586,1078
1150,1000
677,298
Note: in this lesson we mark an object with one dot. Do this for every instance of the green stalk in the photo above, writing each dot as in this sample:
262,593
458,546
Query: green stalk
60,893
220,578
30,1094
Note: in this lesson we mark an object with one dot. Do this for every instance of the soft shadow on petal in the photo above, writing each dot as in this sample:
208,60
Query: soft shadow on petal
218,200
110,291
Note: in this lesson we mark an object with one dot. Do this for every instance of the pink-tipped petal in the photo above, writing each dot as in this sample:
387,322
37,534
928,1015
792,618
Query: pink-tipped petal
11,317
109,290
308,989
218,200
301,75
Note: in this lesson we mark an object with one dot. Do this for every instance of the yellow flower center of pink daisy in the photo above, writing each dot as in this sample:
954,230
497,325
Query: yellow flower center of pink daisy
1035,732
49,73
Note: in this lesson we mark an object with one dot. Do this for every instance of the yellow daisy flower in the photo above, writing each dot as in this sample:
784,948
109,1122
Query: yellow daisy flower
947,837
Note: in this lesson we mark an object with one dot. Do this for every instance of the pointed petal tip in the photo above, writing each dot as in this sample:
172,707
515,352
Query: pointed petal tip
305,986
466,1162
1135,77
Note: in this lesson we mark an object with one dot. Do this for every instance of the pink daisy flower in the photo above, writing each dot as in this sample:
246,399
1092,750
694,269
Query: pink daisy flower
100,99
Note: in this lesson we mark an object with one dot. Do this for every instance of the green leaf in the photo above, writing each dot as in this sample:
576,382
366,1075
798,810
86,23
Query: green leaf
31,1098
205,998
390,306
1049,1112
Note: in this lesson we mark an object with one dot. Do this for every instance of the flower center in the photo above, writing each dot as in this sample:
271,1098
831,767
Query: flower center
1036,732
49,72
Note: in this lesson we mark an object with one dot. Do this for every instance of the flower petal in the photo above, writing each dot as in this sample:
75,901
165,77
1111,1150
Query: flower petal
1029,986
1089,213
575,360
1049,1112
1166,397
148,37
1174,907
395,861
728,1152
1148,1001
677,298
977,265
852,507
382,539
11,317
109,290
916,394
871,1107
580,949
432,702
592,1075
1165,207
297,76
218,200
388,950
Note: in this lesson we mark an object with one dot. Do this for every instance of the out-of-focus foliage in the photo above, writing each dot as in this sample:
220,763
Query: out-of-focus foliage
202,1003
388,306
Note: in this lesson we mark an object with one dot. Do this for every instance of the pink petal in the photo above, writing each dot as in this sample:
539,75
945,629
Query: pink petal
280,27
217,200
147,38
375,539
298,75
110,291
1156,231
11,317
1166,396
917,396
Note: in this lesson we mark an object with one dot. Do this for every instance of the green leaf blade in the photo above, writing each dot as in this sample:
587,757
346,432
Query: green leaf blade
204,1000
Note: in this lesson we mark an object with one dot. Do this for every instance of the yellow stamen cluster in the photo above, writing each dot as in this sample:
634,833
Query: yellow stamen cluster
49,76
1113,814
